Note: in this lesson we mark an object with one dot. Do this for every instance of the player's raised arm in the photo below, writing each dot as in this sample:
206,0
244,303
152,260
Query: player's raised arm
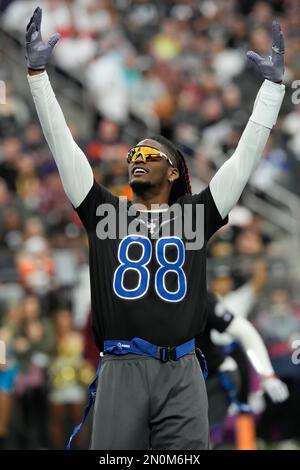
74,169
230,180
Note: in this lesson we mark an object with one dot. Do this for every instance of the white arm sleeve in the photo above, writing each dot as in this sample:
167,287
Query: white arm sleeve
73,166
230,180
245,333
240,301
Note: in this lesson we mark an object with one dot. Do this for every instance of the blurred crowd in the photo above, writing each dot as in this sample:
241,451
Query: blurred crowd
177,67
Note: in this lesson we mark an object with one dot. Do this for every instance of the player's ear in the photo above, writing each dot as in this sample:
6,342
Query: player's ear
173,174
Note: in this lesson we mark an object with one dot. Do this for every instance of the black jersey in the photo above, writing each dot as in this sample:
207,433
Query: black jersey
218,318
154,289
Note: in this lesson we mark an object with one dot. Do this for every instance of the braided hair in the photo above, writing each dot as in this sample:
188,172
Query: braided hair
182,184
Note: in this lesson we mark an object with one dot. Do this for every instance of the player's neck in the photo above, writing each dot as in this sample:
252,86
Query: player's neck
149,200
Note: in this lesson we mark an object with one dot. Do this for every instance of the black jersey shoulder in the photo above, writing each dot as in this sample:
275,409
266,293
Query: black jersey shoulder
87,209
213,219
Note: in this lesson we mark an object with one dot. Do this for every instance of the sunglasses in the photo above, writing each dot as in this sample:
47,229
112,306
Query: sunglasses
148,154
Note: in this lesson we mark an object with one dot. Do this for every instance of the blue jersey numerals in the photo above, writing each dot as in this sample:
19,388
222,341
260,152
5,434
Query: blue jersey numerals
135,265
140,267
167,266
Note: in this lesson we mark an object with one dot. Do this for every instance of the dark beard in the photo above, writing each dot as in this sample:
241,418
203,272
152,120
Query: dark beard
141,187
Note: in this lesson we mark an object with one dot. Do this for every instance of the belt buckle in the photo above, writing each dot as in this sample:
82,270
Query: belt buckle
168,354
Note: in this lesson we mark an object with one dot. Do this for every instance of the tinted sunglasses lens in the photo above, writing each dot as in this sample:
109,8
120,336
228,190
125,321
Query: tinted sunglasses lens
152,154
147,153
137,154
131,156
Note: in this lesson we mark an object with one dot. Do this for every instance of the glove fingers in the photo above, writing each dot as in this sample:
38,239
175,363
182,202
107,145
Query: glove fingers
278,56
282,393
54,39
30,23
281,43
277,43
30,32
276,34
31,19
254,57
38,19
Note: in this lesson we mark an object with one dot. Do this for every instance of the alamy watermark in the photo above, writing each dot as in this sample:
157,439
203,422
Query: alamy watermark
296,94
161,221
2,92
296,353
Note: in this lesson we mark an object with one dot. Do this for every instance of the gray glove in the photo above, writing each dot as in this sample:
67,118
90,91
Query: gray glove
276,389
271,68
38,52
